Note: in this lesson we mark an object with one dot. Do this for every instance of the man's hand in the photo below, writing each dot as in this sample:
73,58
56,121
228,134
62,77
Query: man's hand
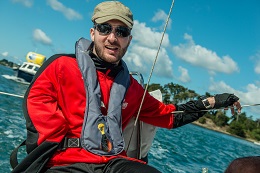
225,100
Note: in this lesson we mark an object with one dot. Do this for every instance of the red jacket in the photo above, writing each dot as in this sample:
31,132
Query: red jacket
56,104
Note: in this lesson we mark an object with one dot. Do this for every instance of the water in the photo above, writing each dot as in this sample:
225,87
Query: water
187,149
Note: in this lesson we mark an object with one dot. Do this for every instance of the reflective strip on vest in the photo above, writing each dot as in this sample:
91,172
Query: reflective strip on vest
101,134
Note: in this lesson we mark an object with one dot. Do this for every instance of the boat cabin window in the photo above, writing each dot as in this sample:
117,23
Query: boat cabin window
30,66
36,68
24,65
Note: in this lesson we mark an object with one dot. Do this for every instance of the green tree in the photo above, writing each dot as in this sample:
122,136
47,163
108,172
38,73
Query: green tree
236,128
202,120
220,119
258,123
250,124
153,87
255,134
175,93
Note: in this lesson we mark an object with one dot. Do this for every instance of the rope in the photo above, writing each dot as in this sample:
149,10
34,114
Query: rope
206,110
149,78
9,94
156,57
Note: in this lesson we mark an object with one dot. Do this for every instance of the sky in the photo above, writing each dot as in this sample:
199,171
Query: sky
209,45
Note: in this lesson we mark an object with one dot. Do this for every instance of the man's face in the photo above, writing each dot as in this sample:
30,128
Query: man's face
110,46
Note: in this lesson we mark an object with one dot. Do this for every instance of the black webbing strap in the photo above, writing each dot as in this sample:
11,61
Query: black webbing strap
13,155
69,143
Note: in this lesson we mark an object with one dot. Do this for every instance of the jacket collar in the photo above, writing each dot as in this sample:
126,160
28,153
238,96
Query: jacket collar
105,67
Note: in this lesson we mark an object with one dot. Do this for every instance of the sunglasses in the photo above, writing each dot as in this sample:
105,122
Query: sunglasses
106,29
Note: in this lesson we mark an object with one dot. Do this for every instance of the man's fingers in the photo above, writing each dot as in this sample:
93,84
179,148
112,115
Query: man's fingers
232,110
238,106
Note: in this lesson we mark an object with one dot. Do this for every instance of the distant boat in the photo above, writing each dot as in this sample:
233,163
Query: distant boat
28,69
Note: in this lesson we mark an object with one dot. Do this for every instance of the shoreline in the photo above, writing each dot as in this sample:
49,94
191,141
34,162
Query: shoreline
211,126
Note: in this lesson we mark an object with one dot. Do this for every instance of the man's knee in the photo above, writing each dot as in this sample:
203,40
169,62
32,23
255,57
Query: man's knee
244,164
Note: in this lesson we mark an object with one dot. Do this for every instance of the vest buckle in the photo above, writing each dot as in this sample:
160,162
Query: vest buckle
69,143
73,142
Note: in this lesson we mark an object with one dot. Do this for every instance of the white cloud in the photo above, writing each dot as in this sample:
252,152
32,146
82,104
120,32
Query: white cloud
257,67
256,57
27,3
202,57
184,75
143,49
220,87
160,15
250,96
145,36
69,13
4,54
41,37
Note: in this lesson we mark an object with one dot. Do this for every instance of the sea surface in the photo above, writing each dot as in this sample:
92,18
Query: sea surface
187,149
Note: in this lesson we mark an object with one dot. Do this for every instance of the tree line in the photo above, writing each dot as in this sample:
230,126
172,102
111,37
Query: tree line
240,124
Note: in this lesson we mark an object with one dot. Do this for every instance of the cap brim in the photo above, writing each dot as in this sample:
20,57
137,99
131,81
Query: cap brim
107,18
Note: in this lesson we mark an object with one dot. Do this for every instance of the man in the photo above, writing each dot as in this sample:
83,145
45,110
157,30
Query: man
78,107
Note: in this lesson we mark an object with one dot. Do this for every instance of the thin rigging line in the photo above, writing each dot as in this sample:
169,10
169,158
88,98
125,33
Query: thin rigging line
149,78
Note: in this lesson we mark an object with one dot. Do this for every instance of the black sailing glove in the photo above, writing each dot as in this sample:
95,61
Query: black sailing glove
224,100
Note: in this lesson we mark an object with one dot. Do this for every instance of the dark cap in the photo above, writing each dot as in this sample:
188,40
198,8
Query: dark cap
109,10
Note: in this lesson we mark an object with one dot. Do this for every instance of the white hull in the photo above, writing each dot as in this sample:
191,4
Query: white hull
27,71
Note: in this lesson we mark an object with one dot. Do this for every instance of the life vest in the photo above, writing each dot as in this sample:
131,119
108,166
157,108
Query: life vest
101,134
